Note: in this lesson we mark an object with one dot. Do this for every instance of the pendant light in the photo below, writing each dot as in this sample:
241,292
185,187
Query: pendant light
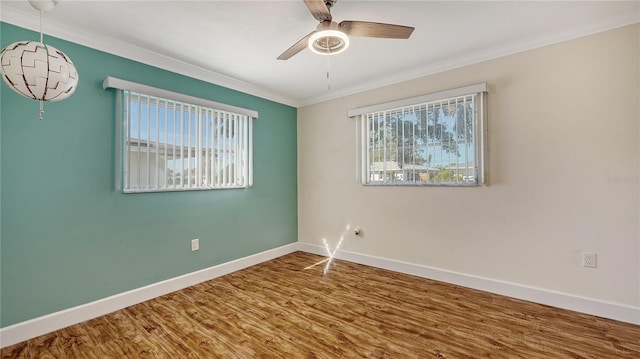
38,71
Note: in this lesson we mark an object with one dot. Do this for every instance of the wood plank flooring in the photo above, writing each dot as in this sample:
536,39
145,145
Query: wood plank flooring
287,308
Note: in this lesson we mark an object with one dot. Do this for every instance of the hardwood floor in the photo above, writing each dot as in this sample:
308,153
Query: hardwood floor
287,308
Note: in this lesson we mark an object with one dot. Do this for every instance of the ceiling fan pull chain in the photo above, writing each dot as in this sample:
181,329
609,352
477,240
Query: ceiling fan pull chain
328,77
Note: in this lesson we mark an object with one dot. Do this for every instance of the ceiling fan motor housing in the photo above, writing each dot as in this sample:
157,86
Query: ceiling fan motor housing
328,39
330,3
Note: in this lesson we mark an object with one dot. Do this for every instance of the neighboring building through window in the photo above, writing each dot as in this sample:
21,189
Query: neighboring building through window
170,145
436,139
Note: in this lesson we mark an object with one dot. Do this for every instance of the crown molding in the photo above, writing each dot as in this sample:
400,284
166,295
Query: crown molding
585,29
126,50
123,49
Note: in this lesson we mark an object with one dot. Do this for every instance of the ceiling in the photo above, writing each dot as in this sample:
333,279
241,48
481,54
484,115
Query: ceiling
236,43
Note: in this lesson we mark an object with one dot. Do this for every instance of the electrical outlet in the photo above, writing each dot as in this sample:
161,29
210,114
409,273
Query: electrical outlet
589,260
195,244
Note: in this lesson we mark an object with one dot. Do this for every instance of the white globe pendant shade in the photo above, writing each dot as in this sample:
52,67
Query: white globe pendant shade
38,71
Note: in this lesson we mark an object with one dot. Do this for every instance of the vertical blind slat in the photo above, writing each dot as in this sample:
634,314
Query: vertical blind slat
250,154
157,150
207,145
181,145
466,140
198,165
236,150
127,167
175,143
214,146
148,156
225,128
139,131
166,141
245,153
188,150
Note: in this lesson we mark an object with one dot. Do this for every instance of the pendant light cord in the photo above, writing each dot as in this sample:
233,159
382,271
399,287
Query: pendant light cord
41,114
41,16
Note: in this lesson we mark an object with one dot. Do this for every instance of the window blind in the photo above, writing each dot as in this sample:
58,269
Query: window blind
169,145
435,139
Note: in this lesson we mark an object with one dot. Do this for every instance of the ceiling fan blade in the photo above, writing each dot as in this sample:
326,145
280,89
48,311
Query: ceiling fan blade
376,29
318,9
297,47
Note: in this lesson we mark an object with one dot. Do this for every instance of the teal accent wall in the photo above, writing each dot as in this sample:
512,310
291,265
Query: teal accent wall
69,238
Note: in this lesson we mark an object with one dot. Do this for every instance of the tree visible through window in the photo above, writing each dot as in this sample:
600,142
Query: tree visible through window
430,143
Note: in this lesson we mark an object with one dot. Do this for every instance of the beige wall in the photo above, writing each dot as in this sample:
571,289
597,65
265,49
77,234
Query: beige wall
563,138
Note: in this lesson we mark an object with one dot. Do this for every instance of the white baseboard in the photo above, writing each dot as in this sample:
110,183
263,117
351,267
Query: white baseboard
51,322
605,309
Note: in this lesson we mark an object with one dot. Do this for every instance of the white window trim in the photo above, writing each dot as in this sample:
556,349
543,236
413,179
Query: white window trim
481,130
124,85
436,96
116,83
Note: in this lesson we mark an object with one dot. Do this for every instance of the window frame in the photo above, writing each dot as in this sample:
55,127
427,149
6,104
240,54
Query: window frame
480,134
202,108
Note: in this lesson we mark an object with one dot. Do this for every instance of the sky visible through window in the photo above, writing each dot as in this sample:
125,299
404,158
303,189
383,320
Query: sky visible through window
177,125
439,139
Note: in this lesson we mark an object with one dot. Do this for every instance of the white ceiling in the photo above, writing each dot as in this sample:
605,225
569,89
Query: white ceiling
235,43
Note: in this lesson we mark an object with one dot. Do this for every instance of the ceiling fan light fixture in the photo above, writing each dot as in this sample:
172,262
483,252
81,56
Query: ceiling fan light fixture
332,38
328,42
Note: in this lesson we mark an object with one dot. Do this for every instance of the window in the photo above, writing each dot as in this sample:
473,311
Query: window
172,142
436,139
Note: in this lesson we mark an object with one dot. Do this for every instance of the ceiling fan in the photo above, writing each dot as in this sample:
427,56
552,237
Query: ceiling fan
331,38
